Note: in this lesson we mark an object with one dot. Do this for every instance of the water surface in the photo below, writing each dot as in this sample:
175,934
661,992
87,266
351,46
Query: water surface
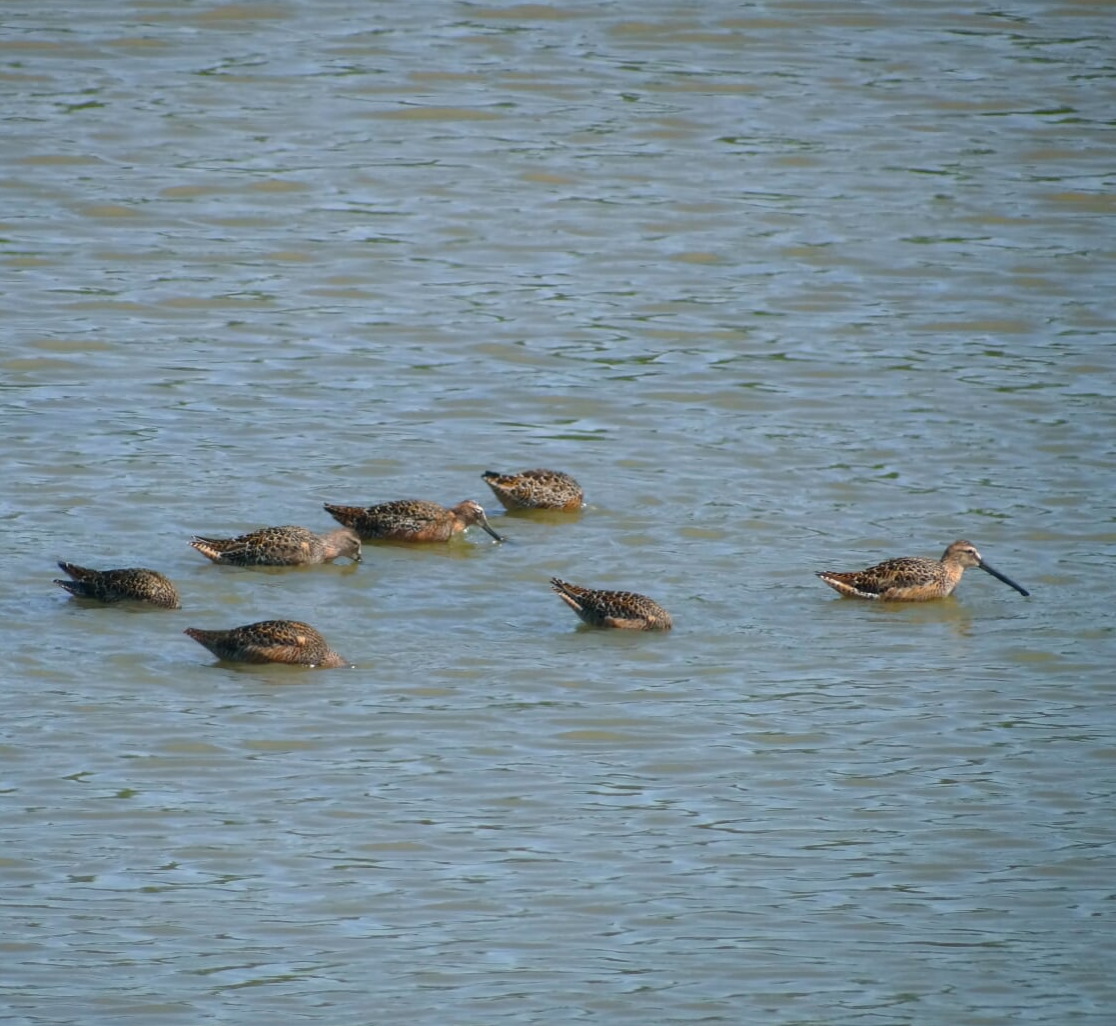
786,286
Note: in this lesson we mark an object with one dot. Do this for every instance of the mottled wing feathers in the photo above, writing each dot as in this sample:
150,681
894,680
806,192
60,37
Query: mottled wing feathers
908,578
400,519
269,641
129,584
623,609
289,545
411,520
536,489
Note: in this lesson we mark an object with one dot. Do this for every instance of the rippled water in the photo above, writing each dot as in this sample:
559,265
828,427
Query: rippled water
786,286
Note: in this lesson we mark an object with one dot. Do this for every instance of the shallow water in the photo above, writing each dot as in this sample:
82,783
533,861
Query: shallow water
787,287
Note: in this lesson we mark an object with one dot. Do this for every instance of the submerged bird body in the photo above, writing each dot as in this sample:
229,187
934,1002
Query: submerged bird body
132,584
913,578
624,609
281,546
270,641
536,489
411,520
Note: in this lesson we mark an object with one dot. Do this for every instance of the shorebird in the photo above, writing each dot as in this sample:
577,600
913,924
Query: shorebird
270,641
281,546
132,584
623,609
536,489
411,520
913,578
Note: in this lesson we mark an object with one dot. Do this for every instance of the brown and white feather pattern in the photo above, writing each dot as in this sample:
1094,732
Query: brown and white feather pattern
289,545
270,641
536,489
624,609
411,520
913,578
129,584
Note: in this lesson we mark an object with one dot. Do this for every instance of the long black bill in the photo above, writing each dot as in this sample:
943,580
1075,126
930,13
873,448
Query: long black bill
484,523
1003,577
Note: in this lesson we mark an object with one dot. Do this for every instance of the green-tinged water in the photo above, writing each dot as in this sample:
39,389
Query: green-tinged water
787,287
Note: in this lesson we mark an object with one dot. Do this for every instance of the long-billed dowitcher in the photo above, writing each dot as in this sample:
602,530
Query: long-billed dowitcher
411,520
623,609
131,584
281,546
270,641
913,578
536,489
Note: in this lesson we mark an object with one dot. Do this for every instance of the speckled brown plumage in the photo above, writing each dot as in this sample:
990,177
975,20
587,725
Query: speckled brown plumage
624,609
270,641
536,489
131,584
411,520
913,578
281,546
